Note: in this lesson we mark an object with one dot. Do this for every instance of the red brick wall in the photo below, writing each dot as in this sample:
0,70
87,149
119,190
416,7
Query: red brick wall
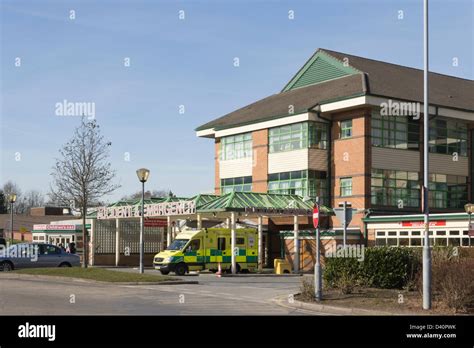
352,158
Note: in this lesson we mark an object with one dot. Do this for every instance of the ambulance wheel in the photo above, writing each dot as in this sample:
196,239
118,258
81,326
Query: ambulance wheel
165,272
181,269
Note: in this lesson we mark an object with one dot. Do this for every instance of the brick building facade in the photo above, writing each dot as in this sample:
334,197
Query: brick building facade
347,128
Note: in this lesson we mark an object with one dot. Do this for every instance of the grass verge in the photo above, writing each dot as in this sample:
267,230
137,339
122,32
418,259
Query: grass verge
99,274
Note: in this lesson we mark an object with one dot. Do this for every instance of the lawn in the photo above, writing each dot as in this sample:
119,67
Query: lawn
93,273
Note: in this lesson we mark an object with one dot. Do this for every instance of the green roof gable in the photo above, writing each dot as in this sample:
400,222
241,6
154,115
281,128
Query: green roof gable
319,68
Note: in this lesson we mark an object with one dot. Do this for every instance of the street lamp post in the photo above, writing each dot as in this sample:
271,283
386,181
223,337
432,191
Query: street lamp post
142,174
12,199
426,209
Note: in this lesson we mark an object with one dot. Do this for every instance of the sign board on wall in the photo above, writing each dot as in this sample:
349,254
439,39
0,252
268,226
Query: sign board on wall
420,224
43,227
150,210
152,222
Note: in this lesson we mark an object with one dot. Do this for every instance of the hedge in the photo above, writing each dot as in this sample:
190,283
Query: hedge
382,267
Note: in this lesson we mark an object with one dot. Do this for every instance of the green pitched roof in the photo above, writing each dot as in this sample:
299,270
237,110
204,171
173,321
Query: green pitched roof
239,201
319,68
202,199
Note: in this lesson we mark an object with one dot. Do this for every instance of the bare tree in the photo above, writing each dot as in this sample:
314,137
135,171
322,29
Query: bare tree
83,173
149,194
10,187
33,198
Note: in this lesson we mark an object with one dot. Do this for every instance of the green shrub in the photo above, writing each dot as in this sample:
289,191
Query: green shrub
386,267
342,273
389,267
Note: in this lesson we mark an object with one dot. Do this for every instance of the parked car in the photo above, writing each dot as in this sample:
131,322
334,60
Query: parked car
36,255
3,241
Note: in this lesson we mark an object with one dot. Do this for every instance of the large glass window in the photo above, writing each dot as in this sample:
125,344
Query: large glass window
447,191
241,184
395,188
346,187
298,136
448,137
398,132
236,146
301,182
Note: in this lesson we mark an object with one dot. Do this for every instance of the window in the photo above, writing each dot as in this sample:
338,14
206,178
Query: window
178,244
194,245
346,187
240,241
221,243
236,146
241,184
298,136
346,129
447,191
301,182
395,188
448,136
49,250
398,132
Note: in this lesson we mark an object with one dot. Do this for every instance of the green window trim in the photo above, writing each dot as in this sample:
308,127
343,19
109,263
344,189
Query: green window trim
447,191
298,136
346,129
309,183
345,187
397,132
236,146
448,137
392,187
238,184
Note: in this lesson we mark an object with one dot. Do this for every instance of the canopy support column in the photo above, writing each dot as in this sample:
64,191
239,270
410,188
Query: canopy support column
296,257
168,231
232,243
260,244
199,221
117,242
91,246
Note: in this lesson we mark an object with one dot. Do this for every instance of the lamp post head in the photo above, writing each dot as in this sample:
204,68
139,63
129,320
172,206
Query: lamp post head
469,208
143,174
12,197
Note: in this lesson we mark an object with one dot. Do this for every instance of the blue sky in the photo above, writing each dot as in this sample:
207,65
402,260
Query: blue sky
184,62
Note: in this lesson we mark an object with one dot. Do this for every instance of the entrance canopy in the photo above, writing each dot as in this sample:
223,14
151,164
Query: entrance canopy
258,204
250,204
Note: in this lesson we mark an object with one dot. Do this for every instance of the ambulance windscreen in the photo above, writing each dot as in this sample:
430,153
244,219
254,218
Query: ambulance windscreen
178,244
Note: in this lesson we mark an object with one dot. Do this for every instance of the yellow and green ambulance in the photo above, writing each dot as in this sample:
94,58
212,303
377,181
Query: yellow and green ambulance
196,250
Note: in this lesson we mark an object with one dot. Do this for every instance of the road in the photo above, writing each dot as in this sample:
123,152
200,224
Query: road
212,296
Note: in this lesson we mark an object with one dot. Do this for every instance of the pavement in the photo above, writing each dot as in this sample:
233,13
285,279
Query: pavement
211,296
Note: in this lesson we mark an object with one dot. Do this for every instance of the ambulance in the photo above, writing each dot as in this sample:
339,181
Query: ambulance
205,249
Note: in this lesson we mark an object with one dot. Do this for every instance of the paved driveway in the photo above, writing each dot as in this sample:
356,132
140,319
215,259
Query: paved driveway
213,296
